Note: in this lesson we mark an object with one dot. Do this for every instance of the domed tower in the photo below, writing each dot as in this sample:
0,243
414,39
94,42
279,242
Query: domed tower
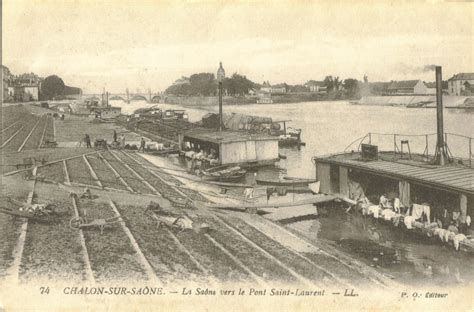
220,73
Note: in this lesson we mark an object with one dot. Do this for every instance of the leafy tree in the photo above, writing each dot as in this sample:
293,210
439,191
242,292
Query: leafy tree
238,85
329,83
52,86
351,86
203,84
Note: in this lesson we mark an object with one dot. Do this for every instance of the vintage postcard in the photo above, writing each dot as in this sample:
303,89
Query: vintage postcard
237,155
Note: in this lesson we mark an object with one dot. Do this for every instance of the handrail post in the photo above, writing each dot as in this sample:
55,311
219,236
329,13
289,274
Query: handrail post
427,150
470,152
394,145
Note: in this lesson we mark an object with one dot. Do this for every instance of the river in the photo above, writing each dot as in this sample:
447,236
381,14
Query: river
329,127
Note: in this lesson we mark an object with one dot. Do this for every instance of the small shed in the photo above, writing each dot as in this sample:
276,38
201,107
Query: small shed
232,147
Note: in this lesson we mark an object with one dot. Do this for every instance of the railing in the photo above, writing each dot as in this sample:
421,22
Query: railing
459,147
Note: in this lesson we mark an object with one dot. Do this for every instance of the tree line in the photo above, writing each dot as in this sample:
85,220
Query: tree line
205,84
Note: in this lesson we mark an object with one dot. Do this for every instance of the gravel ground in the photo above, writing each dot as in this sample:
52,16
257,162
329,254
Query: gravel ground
13,187
127,175
53,250
287,257
104,173
169,262
79,172
254,259
53,172
111,254
35,138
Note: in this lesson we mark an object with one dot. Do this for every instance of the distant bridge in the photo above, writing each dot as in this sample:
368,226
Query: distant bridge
126,97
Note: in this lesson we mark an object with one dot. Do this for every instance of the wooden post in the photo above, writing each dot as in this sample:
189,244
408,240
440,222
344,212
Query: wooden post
394,145
427,150
470,152
463,207
220,106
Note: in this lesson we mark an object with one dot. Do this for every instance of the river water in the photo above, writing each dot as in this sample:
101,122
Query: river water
329,127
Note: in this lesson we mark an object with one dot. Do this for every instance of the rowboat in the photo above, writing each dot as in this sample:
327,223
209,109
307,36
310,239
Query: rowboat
316,199
286,182
223,173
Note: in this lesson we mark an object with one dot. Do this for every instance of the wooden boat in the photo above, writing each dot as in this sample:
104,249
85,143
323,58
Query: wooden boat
286,182
166,151
316,199
226,178
223,173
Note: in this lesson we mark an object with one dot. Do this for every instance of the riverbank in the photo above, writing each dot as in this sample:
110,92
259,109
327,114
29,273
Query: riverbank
287,98
417,101
232,247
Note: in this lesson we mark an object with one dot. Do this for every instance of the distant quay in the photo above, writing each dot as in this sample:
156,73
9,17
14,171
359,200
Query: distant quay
236,100
416,101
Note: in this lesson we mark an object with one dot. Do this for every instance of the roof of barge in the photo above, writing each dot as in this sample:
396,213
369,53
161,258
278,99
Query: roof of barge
454,178
226,136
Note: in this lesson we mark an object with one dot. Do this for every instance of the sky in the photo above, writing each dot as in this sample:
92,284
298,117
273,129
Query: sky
141,45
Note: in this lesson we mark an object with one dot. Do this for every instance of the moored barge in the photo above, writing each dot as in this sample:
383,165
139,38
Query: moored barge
422,193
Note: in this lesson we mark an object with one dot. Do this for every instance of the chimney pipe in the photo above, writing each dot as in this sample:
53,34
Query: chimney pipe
440,145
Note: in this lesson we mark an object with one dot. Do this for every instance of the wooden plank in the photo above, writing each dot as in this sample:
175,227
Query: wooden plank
44,132
28,136
307,201
296,275
443,171
87,264
136,174
116,173
140,256
451,177
466,182
91,170
160,178
442,176
11,138
46,164
67,180
11,125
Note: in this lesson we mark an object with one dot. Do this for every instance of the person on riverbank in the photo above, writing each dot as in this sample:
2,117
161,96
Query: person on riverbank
122,140
115,136
88,141
142,145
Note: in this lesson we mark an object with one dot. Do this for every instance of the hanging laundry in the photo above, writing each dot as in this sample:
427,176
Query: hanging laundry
248,193
441,233
396,205
417,211
457,239
409,220
404,190
456,215
426,212
388,214
374,210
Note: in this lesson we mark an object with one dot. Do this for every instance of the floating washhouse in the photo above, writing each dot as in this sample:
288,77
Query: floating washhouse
232,147
436,193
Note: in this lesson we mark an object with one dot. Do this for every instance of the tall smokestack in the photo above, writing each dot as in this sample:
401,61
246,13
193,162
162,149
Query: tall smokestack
440,145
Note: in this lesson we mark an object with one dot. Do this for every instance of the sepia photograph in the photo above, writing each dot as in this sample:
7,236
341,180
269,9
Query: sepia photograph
237,155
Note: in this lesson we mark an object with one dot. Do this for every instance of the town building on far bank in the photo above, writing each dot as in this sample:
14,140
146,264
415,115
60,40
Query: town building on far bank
408,87
461,84
316,86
